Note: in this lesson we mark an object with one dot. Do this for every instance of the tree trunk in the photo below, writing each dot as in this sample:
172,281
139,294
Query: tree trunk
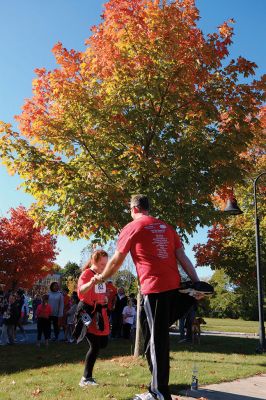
137,349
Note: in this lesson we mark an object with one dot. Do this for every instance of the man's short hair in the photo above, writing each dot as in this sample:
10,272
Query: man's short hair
141,201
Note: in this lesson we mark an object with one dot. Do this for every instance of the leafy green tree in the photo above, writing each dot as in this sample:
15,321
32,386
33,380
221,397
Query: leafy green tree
224,302
152,105
70,274
71,269
127,280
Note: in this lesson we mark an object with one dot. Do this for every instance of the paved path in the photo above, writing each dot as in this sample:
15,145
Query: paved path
253,388
31,332
228,334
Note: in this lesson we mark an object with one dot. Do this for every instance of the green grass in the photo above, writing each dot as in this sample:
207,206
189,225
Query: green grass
31,373
231,325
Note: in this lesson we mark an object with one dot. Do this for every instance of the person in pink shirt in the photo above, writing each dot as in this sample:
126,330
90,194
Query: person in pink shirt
43,313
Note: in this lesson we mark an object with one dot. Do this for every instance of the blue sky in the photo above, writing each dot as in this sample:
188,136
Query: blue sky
28,31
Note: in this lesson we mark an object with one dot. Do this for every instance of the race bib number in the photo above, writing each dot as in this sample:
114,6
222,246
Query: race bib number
100,288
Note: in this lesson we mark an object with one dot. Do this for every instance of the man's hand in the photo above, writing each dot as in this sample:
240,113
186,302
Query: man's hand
111,267
186,264
87,286
98,278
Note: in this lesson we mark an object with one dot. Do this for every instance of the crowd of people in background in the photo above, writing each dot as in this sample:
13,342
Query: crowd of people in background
54,310
14,311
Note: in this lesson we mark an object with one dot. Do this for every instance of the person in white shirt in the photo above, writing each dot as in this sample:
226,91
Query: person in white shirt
56,301
129,314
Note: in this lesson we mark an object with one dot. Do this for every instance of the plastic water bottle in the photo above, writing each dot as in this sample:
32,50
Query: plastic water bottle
194,381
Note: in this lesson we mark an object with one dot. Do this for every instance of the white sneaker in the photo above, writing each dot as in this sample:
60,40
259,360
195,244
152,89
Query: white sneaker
87,382
144,396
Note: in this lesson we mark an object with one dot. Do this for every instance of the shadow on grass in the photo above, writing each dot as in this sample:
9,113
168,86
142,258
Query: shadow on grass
28,356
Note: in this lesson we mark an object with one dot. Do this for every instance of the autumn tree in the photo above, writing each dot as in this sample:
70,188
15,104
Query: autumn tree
152,105
231,242
27,252
231,248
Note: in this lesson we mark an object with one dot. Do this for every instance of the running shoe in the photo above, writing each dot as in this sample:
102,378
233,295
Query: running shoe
144,396
196,288
87,382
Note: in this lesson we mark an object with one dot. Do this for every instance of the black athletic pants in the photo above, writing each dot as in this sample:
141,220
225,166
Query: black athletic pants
126,330
96,343
43,327
158,312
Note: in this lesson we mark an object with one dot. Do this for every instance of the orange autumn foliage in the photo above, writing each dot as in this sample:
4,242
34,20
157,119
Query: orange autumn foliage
151,105
27,252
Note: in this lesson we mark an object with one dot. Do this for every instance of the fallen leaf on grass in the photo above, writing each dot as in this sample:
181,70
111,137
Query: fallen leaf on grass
110,396
36,392
143,386
13,382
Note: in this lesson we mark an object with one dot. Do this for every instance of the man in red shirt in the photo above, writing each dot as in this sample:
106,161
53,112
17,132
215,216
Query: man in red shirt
156,249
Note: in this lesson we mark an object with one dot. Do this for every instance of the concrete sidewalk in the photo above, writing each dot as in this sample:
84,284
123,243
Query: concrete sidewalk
32,327
253,388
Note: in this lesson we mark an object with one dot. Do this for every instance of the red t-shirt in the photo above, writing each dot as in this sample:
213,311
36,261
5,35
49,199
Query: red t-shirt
152,244
43,311
111,293
96,295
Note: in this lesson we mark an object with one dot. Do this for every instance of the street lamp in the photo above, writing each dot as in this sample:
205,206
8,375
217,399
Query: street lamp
233,209
262,347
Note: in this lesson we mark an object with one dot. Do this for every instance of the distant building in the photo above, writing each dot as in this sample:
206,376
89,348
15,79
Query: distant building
43,285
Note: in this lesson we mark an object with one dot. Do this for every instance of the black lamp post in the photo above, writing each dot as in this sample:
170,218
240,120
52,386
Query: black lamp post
233,209
262,347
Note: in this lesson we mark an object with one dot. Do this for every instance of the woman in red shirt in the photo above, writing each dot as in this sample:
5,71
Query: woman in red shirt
43,313
96,297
